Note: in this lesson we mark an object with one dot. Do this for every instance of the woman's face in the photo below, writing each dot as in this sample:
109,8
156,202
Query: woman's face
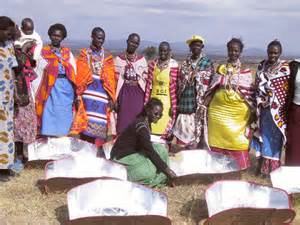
56,38
164,52
132,44
154,113
274,53
98,39
196,48
234,52
4,35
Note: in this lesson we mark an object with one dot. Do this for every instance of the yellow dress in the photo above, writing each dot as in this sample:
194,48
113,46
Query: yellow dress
161,91
228,116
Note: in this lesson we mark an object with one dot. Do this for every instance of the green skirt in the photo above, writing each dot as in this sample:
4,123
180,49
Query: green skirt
141,169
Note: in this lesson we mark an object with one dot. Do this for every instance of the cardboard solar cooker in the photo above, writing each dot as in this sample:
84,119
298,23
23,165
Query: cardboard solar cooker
203,165
287,178
66,173
245,203
116,202
58,148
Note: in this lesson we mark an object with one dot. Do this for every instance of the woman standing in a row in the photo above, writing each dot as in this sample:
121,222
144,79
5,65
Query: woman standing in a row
272,79
230,109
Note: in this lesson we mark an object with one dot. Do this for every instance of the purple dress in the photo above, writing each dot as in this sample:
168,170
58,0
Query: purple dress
131,96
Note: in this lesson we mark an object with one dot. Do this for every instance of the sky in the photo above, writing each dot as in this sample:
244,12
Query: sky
257,22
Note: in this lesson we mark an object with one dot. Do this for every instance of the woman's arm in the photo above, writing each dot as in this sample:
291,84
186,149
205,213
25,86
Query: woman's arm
147,148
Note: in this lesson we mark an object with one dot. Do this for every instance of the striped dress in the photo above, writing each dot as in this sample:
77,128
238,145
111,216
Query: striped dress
95,100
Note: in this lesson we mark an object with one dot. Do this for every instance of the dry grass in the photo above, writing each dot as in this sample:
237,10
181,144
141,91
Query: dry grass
22,202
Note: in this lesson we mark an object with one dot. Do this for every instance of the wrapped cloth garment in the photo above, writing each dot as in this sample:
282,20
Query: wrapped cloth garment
130,94
142,170
173,73
271,99
229,111
97,85
228,117
160,90
193,82
7,62
55,95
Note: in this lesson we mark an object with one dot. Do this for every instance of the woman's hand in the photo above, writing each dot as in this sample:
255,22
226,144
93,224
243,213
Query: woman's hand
171,177
170,173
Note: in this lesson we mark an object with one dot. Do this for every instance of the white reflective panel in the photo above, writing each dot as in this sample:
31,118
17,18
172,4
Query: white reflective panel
58,148
84,167
115,198
286,178
224,195
202,162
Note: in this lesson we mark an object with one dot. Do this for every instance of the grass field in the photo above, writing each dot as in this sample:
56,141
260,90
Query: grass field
22,202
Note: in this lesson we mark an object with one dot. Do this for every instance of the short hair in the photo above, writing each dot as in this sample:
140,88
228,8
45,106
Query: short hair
275,43
26,20
97,29
6,22
150,104
236,41
132,35
164,43
58,26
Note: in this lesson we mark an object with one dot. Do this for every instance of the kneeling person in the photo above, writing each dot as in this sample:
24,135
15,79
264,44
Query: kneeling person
146,163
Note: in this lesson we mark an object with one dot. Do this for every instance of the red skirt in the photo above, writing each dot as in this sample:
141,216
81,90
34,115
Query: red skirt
242,157
292,156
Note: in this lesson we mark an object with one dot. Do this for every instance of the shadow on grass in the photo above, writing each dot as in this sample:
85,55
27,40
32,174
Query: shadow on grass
62,214
195,210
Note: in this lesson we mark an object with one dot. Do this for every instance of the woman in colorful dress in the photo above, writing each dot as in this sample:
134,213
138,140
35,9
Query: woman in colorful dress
131,72
292,155
231,106
161,84
56,93
272,79
146,163
25,122
194,79
97,87
8,62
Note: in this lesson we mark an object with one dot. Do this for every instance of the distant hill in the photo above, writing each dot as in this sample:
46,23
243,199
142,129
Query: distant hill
178,48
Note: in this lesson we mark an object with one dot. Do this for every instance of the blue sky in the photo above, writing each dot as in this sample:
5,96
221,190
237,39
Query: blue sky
257,22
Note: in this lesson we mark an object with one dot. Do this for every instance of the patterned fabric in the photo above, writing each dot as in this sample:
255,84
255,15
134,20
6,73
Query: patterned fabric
185,128
268,165
187,100
272,84
229,110
50,75
195,75
126,70
173,82
7,62
97,85
141,169
271,138
25,124
160,90
131,76
241,157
